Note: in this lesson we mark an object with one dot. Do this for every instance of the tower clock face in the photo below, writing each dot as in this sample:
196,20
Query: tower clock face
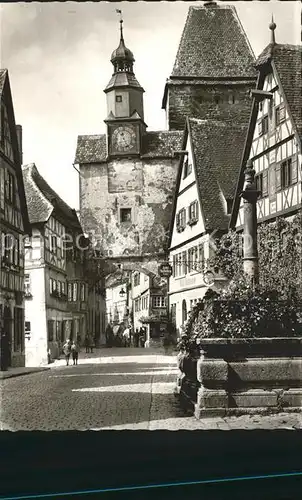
124,138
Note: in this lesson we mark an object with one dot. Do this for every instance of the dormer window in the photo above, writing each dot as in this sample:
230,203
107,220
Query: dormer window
118,98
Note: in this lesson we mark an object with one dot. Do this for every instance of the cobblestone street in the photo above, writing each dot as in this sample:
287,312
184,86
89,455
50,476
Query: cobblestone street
111,389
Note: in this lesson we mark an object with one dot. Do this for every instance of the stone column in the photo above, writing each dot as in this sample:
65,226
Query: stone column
250,251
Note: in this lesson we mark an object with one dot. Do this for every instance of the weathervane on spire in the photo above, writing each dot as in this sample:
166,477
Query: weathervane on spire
118,11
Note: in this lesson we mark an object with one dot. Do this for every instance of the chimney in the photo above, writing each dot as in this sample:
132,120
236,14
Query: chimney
19,138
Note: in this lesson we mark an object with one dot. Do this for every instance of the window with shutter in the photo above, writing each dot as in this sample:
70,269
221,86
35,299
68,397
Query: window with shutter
294,168
259,183
265,183
174,266
278,177
201,256
184,262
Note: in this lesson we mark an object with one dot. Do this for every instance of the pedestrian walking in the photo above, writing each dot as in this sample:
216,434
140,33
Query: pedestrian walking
166,344
67,351
91,343
86,343
79,339
142,337
126,337
136,338
75,352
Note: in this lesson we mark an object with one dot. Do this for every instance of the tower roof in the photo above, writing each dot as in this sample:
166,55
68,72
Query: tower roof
213,44
122,58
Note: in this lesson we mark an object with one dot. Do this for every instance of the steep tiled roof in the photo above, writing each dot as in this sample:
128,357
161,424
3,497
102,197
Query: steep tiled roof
42,199
217,150
91,149
213,44
288,62
159,144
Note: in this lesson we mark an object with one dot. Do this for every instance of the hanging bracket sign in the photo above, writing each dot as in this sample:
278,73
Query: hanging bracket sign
165,270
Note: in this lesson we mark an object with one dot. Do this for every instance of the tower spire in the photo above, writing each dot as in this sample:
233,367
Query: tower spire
272,27
118,11
122,58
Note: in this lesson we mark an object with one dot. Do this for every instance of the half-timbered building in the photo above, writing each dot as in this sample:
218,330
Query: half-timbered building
13,226
203,200
273,141
61,302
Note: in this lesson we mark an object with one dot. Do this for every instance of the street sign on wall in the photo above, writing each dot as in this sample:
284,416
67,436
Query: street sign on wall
165,270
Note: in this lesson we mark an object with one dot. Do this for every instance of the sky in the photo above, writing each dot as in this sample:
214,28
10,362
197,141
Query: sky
58,57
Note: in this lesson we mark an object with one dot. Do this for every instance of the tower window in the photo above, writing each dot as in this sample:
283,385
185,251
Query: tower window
118,98
125,214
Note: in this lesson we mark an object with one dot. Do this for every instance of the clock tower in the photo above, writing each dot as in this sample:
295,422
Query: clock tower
125,107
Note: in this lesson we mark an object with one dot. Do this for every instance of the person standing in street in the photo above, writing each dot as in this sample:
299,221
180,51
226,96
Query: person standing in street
75,352
126,337
86,343
91,343
67,351
142,337
136,338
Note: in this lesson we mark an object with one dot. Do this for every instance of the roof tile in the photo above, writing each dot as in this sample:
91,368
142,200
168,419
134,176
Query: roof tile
157,144
42,199
213,44
217,149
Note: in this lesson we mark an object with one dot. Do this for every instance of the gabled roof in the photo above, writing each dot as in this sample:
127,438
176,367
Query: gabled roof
214,44
158,144
216,149
285,61
42,200
6,96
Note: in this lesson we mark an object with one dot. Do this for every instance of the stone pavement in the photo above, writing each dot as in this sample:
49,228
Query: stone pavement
21,370
114,389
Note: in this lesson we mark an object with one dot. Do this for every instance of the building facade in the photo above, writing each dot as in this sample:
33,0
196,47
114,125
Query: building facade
60,300
203,201
127,175
14,226
149,306
274,135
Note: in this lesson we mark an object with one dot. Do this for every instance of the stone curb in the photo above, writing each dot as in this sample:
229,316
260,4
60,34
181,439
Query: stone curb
10,374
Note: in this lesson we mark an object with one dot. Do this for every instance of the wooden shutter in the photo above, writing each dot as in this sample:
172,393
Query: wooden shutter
196,210
278,176
294,170
265,183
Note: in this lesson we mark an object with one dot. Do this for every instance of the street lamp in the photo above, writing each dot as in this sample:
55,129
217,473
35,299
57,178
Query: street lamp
122,293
